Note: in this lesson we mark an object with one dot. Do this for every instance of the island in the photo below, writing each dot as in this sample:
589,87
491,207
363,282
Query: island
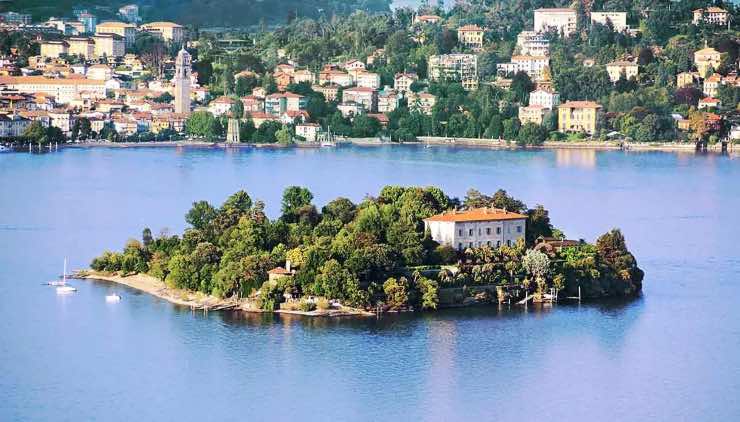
406,249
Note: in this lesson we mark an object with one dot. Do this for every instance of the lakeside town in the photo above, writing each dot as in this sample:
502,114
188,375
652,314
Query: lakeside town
408,248
564,74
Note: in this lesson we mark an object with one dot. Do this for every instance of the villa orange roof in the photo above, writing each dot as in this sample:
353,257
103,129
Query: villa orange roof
470,28
580,104
477,214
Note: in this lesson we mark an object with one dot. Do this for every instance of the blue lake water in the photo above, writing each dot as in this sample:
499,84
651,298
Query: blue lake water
673,354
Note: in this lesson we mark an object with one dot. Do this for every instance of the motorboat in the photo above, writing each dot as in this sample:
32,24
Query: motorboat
113,298
3,148
63,290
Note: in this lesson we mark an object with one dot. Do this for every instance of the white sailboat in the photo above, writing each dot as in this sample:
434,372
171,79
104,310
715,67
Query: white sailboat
61,290
327,139
63,281
113,298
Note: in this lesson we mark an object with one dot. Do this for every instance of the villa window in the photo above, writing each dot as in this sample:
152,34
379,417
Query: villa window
488,231
518,229
488,243
479,232
498,230
508,243
459,232
498,243
470,232
459,246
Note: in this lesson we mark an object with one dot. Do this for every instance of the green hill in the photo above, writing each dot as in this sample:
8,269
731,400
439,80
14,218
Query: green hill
202,12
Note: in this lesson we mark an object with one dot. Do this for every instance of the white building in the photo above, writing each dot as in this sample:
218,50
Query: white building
621,68
711,15
562,20
477,227
532,43
309,131
63,90
367,79
461,68
544,98
531,65
617,19
402,81
13,125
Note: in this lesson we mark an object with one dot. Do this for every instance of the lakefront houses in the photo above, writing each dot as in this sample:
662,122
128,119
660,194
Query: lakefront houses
578,116
477,227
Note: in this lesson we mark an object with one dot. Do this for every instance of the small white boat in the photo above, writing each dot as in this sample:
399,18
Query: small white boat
113,298
63,290
63,281
3,148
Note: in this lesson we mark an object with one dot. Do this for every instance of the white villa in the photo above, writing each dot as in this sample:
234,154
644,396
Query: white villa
477,227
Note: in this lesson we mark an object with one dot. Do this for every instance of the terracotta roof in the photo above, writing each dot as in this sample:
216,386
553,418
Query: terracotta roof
528,58
477,214
360,89
555,10
711,9
161,25
470,28
580,104
280,270
708,50
621,63
42,80
113,24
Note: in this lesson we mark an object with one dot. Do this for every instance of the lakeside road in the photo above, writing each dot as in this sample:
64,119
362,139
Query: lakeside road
431,141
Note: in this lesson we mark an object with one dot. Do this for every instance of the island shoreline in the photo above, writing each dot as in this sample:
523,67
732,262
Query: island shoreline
198,301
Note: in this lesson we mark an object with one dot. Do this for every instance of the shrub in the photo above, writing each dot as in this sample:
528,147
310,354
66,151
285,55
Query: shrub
306,306
322,304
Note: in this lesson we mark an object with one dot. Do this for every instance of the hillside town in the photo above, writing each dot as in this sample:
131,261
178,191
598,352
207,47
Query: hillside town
433,72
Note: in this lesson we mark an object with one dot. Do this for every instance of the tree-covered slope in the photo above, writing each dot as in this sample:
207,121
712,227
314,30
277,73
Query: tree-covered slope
203,12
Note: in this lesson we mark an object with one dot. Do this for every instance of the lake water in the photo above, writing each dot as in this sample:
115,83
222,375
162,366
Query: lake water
673,354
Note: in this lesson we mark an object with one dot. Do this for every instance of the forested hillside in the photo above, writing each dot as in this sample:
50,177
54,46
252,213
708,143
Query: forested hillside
204,12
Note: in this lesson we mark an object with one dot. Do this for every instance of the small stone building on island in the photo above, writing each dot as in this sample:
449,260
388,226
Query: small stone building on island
477,227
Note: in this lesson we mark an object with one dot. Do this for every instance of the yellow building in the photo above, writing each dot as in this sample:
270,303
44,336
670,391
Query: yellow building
54,49
125,30
470,36
578,116
705,59
684,79
532,114
80,46
622,68
109,45
169,31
